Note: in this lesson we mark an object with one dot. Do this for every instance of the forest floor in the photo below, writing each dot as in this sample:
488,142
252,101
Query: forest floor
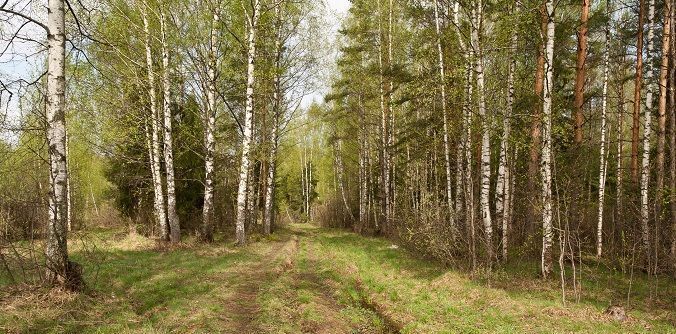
306,279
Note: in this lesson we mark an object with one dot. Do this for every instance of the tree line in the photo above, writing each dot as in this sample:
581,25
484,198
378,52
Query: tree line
491,129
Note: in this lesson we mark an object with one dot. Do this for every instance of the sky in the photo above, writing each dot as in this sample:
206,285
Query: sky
339,5
337,11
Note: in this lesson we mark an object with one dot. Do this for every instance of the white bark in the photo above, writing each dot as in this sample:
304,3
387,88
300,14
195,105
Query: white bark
462,144
248,126
546,156
340,173
485,129
444,111
391,164
469,161
174,225
503,185
363,171
645,163
57,233
603,163
274,140
620,147
272,169
209,139
69,194
155,165
384,107
309,182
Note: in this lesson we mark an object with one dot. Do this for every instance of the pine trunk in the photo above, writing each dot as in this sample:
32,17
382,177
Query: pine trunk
580,70
662,109
638,82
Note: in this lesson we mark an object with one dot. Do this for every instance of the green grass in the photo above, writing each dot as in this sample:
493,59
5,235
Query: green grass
326,281
134,287
422,297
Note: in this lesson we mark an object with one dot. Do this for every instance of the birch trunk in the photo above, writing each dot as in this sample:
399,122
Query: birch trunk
485,130
603,163
384,128
248,127
546,156
57,233
160,213
276,111
391,163
271,172
69,194
502,192
209,139
363,171
340,171
444,111
645,162
580,70
469,163
460,179
172,217
619,171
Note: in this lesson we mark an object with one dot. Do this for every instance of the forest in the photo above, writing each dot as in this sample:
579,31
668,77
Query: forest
337,166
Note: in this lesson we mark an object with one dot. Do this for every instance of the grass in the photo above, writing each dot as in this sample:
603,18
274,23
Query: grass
314,280
135,288
422,297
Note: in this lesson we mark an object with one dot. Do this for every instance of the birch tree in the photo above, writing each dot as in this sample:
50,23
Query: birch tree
58,265
276,114
385,107
603,163
209,130
645,162
477,22
155,164
546,156
444,111
247,136
174,226
503,187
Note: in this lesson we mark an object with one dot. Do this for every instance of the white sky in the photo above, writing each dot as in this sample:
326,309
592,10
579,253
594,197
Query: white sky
337,11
